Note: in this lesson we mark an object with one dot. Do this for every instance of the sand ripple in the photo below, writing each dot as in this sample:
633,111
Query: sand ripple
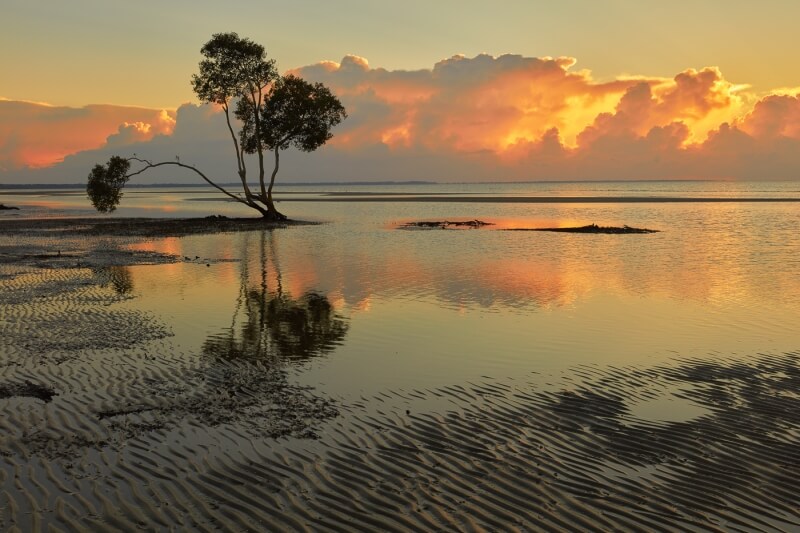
504,456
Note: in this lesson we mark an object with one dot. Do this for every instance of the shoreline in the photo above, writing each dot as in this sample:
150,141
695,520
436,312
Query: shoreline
142,227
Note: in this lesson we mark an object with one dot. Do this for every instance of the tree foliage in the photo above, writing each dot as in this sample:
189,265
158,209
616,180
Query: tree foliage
232,67
274,113
295,113
106,182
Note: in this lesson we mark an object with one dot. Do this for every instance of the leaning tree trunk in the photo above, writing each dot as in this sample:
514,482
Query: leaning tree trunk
272,213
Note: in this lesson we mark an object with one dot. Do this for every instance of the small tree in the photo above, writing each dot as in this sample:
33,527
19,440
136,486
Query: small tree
106,182
233,69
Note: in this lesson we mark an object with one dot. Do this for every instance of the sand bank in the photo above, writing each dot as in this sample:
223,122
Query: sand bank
138,227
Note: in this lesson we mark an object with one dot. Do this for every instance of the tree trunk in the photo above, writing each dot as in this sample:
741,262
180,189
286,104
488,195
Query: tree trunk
272,213
242,169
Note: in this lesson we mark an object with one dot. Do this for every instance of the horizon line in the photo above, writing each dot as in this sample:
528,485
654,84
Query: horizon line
388,182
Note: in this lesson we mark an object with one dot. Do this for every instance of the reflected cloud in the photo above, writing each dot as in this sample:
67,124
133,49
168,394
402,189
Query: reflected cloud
304,280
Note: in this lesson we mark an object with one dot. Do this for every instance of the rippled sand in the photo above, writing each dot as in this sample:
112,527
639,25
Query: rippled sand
107,425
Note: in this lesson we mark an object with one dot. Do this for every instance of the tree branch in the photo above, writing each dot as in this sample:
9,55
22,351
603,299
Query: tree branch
150,164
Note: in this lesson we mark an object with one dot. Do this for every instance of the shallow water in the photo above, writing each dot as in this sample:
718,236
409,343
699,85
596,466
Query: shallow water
432,308
386,321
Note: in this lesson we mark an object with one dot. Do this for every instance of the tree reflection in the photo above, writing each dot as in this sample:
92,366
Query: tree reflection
118,277
241,378
271,325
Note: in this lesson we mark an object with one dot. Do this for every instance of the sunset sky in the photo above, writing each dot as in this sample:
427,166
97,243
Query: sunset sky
516,90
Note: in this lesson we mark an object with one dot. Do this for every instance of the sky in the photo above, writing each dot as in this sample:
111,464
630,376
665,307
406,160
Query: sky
449,91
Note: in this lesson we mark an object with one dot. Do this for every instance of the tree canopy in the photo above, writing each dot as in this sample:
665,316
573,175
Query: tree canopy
295,113
232,67
106,182
273,113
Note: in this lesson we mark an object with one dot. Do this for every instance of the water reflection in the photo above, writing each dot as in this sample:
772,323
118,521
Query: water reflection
268,322
434,307
239,376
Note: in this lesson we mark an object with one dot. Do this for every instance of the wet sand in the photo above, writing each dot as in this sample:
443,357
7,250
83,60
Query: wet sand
107,426
138,227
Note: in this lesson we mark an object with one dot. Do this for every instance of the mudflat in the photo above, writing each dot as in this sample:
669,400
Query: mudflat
109,424
138,227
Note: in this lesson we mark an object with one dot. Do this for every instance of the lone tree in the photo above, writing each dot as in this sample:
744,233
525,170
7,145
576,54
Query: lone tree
274,113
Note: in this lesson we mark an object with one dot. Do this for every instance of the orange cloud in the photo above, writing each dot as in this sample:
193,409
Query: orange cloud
506,105
465,104
466,119
774,116
701,101
38,135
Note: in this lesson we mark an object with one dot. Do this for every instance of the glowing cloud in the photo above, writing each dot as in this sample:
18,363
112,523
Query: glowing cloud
38,135
512,110
482,118
774,116
465,104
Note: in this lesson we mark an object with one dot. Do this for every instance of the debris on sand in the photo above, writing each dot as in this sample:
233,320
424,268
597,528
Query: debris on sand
4,207
445,224
26,390
476,224
591,228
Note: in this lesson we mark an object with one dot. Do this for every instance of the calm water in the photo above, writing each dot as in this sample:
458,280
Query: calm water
356,307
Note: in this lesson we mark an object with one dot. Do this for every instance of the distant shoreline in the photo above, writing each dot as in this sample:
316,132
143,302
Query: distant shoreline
38,186
78,186
400,197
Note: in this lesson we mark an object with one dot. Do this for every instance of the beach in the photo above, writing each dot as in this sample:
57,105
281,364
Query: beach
345,373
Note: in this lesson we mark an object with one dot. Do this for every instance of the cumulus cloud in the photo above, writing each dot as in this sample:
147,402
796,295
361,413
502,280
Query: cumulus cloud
197,134
464,104
512,117
38,135
467,119
774,116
